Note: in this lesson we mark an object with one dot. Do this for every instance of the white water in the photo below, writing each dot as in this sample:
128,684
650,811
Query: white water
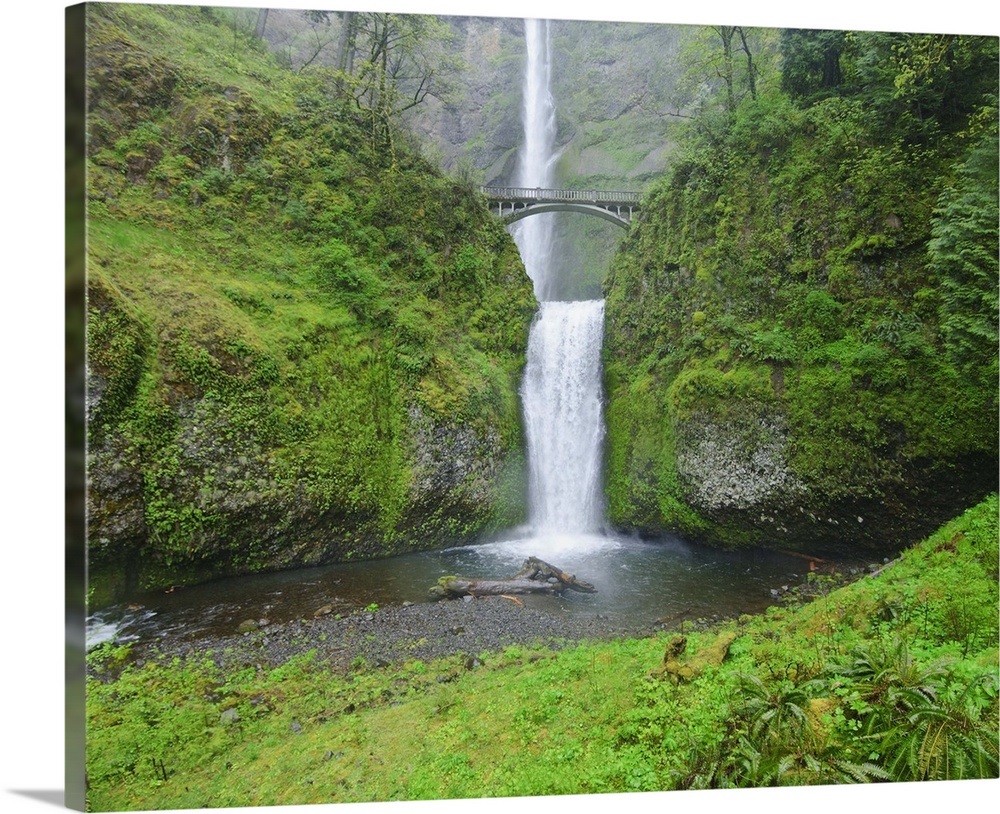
561,393
561,397
536,160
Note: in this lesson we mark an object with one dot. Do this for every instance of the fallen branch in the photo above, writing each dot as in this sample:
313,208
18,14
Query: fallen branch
535,576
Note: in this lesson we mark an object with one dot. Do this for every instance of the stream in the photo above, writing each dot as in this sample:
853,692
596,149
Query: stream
643,581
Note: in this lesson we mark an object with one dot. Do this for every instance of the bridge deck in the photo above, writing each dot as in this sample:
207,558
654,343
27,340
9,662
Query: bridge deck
538,195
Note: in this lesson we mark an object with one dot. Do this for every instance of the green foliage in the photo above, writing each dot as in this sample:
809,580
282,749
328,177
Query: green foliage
961,253
646,492
166,709
811,67
829,254
118,346
271,306
920,721
839,694
401,59
823,313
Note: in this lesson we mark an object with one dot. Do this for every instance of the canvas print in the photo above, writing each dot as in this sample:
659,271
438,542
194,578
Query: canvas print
486,407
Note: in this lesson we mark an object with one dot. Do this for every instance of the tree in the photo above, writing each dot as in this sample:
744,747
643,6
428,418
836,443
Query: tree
393,62
345,44
810,63
723,66
258,30
963,252
319,37
726,71
751,68
920,86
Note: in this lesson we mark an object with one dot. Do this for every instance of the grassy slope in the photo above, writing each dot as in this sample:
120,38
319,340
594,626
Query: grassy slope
790,704
273,297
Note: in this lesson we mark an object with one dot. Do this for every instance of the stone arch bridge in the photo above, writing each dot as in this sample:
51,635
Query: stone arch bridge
514,203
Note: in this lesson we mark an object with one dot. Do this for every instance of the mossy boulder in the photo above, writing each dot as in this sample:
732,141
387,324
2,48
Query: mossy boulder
681,666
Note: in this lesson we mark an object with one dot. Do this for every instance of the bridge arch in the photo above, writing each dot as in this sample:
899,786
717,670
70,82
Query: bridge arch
586,209
516,203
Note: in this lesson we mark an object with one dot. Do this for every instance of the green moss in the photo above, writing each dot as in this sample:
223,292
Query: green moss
118,346
781,269
268,304
643,490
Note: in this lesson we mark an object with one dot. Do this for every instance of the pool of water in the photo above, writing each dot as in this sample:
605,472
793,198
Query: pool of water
641,581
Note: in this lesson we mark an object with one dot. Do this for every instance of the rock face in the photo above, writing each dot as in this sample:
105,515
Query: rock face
608,79
739,465
801,346
771,384
480,123
218,501
232,510
457,471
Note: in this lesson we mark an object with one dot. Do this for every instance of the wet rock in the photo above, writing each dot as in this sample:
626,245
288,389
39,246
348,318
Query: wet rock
248,626
740,464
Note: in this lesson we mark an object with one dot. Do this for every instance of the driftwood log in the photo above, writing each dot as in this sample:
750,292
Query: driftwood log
535,576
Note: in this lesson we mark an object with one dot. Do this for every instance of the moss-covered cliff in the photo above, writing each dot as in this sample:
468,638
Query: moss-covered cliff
802,328
303,341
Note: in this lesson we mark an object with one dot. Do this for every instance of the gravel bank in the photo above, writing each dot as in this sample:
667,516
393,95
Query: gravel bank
398,633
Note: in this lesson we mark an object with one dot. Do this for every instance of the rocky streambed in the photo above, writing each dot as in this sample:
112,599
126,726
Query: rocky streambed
393,634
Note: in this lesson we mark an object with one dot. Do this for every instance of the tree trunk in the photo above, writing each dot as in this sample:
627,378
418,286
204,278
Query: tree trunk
535,576
832,76
751,68
345,46
725,33
258,31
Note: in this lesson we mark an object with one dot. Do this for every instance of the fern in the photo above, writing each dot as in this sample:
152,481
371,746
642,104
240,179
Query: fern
923,731
860,772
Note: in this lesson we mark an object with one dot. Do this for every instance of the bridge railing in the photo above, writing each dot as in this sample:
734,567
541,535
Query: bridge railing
560,195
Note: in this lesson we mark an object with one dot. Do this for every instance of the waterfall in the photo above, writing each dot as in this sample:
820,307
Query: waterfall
561,396
561,392
537,156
